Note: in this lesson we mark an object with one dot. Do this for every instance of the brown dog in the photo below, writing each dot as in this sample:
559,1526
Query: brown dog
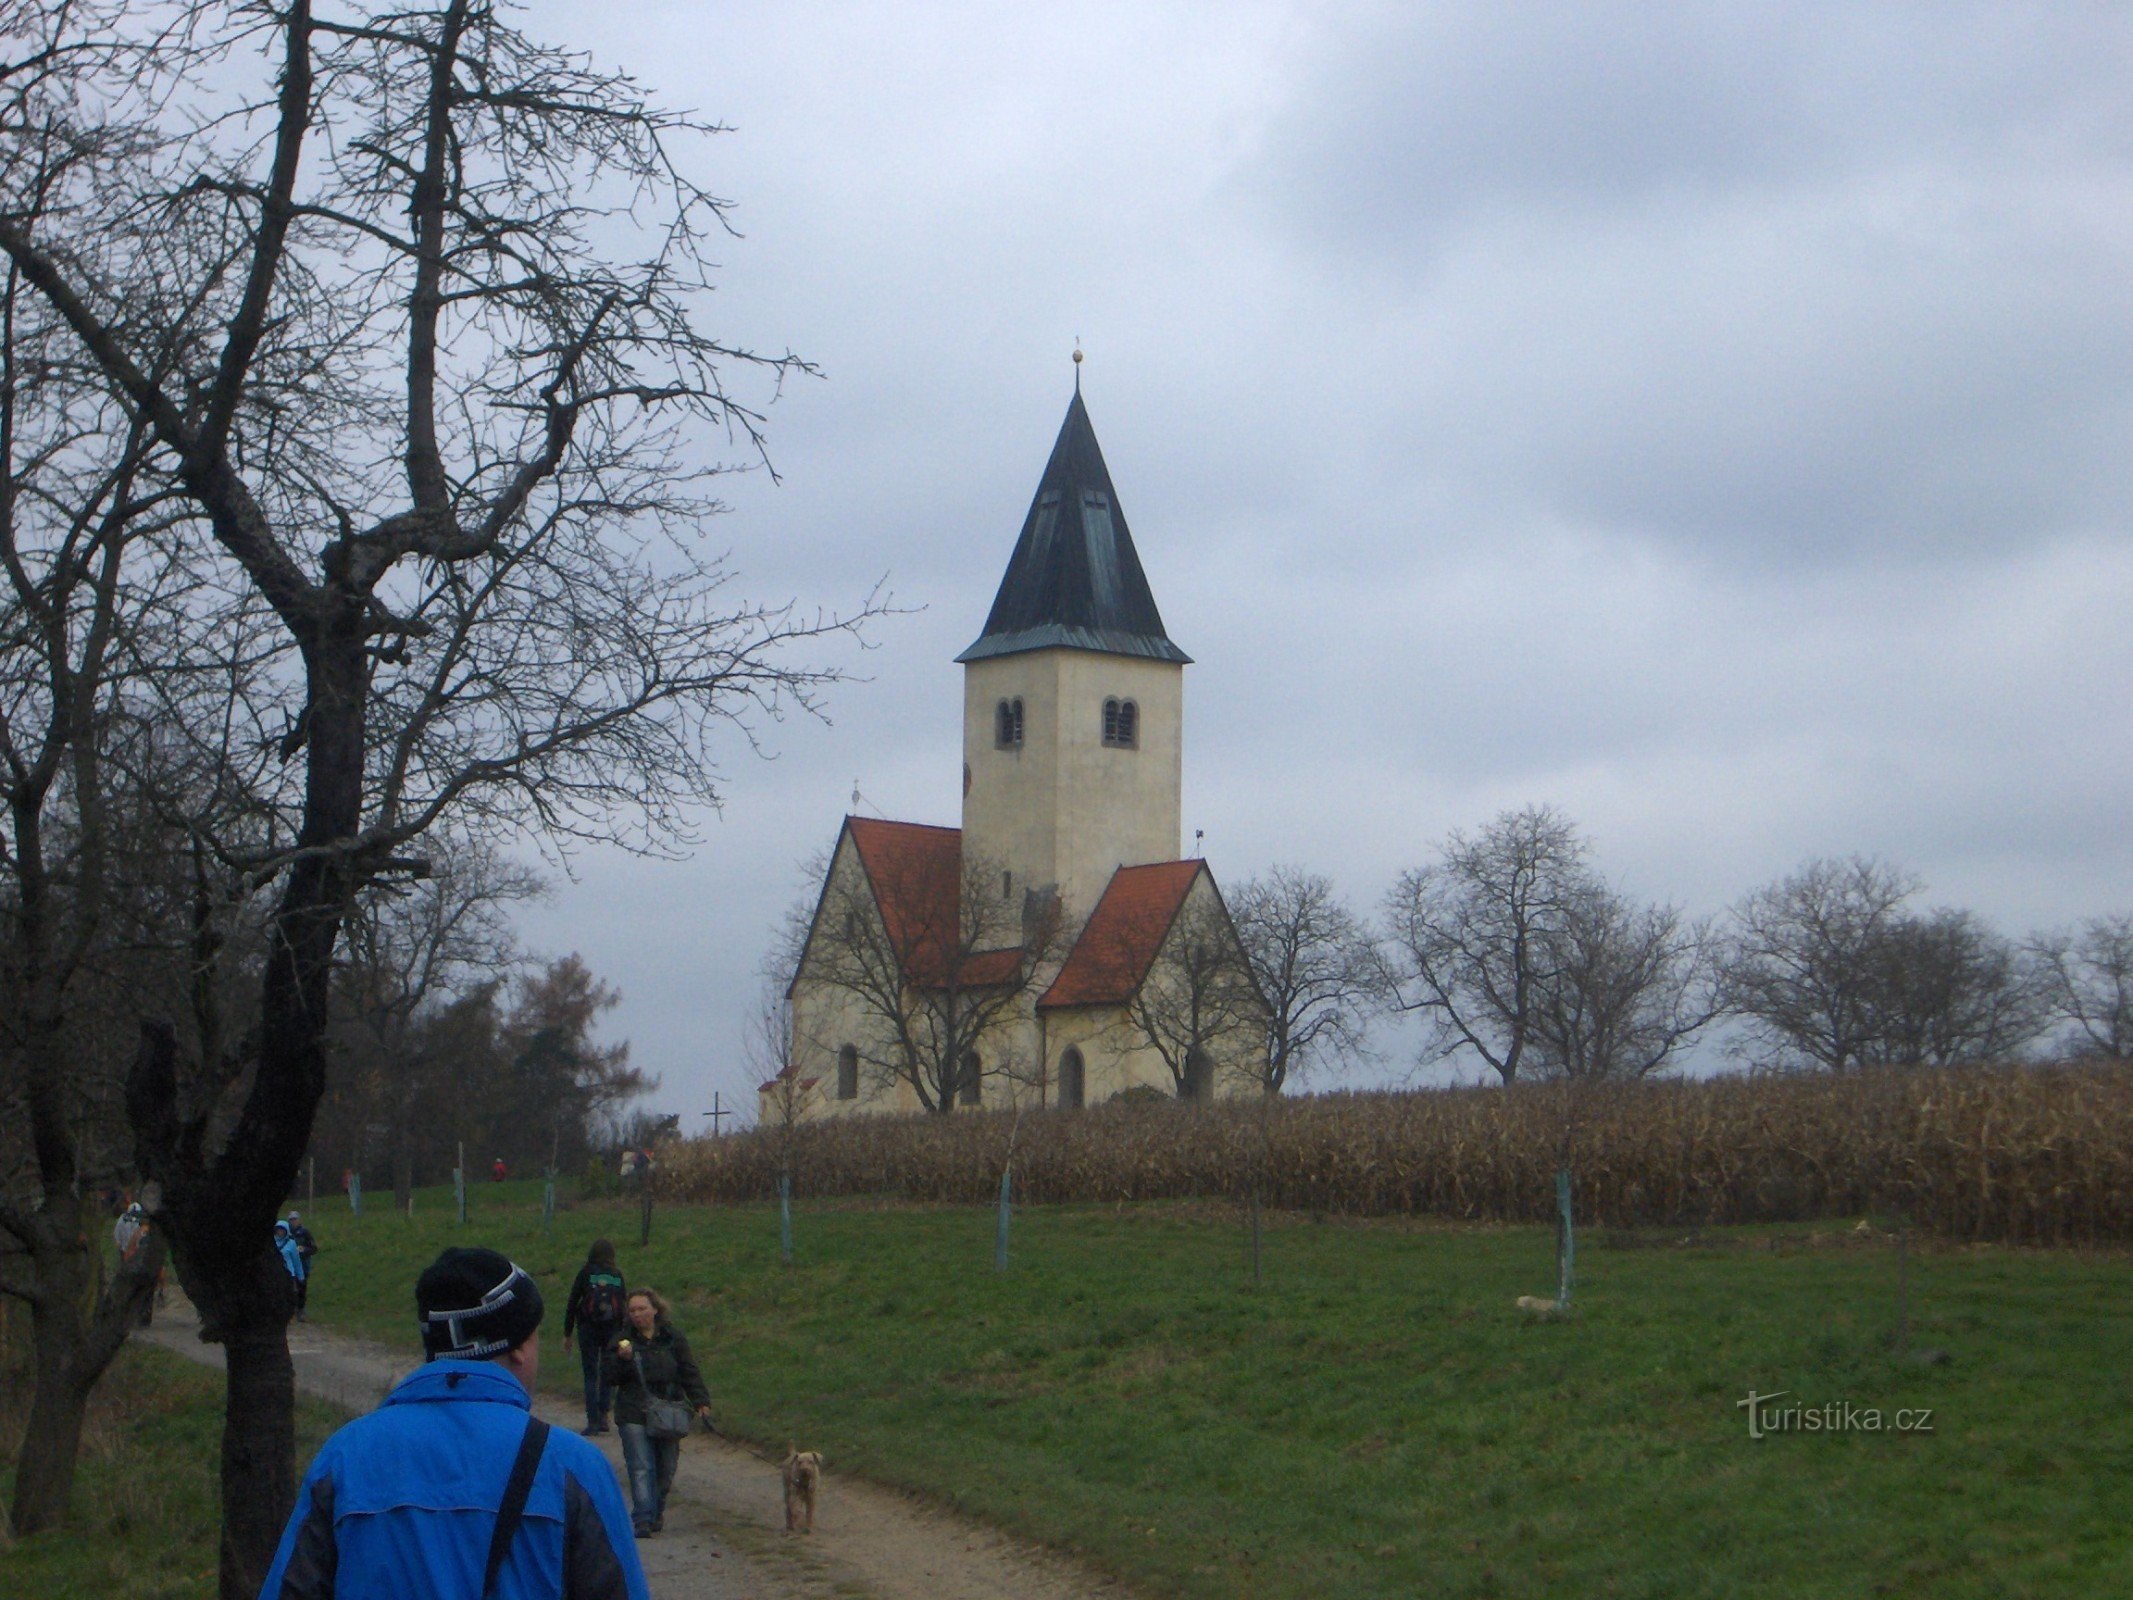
802,1471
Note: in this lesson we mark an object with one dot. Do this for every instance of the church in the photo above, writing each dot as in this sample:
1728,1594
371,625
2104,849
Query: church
1054,950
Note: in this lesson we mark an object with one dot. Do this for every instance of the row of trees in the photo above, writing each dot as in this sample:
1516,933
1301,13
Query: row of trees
1510,949
357,412
445,1037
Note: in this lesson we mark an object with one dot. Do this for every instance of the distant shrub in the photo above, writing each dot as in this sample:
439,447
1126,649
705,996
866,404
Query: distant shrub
1141,1094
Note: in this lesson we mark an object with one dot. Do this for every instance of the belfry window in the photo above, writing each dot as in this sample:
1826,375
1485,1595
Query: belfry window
1007,724
848,1073
1122,723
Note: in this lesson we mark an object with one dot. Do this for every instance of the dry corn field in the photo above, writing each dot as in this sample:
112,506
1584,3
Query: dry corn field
2021,1155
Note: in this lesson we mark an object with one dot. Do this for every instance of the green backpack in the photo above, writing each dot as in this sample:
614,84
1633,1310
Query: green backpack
605,1304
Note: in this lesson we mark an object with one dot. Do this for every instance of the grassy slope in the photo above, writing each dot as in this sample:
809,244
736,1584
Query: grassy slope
1378,1420
146,1505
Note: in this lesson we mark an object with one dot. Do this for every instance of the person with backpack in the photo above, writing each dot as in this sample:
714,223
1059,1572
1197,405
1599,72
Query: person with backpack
596,1311
451,1489
307,1247
292,1260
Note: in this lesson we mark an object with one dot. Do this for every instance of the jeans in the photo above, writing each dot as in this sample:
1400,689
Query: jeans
651,1464
599,1394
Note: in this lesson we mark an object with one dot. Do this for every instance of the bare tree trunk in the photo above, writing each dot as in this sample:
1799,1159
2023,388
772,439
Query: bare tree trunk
74,1334
258,1431
75,1327
44,1471
219,1212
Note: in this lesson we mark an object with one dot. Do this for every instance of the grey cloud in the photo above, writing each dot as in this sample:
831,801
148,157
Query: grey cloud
1709,420
1410,117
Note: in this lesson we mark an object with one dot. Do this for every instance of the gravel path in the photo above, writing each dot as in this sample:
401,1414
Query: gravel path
725,1537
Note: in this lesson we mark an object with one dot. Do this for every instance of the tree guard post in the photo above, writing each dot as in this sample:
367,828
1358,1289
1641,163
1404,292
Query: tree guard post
999,1243
1566,1243
785,1218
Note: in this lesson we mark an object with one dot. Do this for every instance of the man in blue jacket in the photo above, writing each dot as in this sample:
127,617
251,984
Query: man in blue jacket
451,1489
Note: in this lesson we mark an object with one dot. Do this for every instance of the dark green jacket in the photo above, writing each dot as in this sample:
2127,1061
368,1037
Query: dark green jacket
666,1365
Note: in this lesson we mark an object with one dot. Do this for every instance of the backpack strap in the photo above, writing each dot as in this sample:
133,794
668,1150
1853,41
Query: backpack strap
520,1484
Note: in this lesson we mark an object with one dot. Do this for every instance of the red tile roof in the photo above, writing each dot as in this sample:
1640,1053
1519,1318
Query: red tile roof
916,871
983,967
788,1073
1111,958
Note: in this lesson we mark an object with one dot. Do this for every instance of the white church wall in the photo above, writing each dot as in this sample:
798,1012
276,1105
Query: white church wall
1064,808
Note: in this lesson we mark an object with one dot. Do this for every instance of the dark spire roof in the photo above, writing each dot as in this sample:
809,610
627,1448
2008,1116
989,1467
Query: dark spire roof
1074,579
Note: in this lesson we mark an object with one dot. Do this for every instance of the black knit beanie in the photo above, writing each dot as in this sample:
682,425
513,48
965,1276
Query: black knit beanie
474,1304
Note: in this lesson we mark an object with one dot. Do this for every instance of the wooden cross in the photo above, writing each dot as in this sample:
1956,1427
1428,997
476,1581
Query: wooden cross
717,1113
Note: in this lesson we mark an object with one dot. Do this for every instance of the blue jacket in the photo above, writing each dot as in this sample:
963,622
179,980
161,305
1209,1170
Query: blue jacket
403,1502
292,1256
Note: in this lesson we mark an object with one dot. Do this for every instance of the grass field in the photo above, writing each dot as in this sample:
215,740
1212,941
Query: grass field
1378,1420
146,1504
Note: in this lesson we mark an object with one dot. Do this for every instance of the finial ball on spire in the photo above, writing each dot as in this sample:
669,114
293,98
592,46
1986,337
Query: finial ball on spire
1077,355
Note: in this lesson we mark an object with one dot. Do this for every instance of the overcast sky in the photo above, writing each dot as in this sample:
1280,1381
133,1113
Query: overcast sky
1711,420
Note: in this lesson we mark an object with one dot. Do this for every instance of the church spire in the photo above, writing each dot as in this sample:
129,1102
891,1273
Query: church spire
1075,579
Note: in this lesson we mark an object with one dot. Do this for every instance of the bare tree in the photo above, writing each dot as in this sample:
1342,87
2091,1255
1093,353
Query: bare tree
1829,967
1800,962
103,908
1473,941
937,965
770,1075
1316,967
1199,1008
767,1056
451,442
2087,977
1630,986
83,547
411,945
1945,990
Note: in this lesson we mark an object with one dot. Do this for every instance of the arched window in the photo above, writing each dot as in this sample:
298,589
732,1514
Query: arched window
1072,1079
971,1089
1199,1075
848,1073
1122,719
1007,724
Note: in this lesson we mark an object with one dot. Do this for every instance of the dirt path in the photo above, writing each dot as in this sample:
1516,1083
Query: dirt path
869,1543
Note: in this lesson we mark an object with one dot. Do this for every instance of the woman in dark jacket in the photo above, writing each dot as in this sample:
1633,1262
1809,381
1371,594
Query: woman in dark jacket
651,1358
596,1309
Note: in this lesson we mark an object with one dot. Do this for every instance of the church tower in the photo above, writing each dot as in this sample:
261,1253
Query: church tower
1073,696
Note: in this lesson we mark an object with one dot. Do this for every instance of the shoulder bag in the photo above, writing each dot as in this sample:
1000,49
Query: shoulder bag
663,1418
513,1509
